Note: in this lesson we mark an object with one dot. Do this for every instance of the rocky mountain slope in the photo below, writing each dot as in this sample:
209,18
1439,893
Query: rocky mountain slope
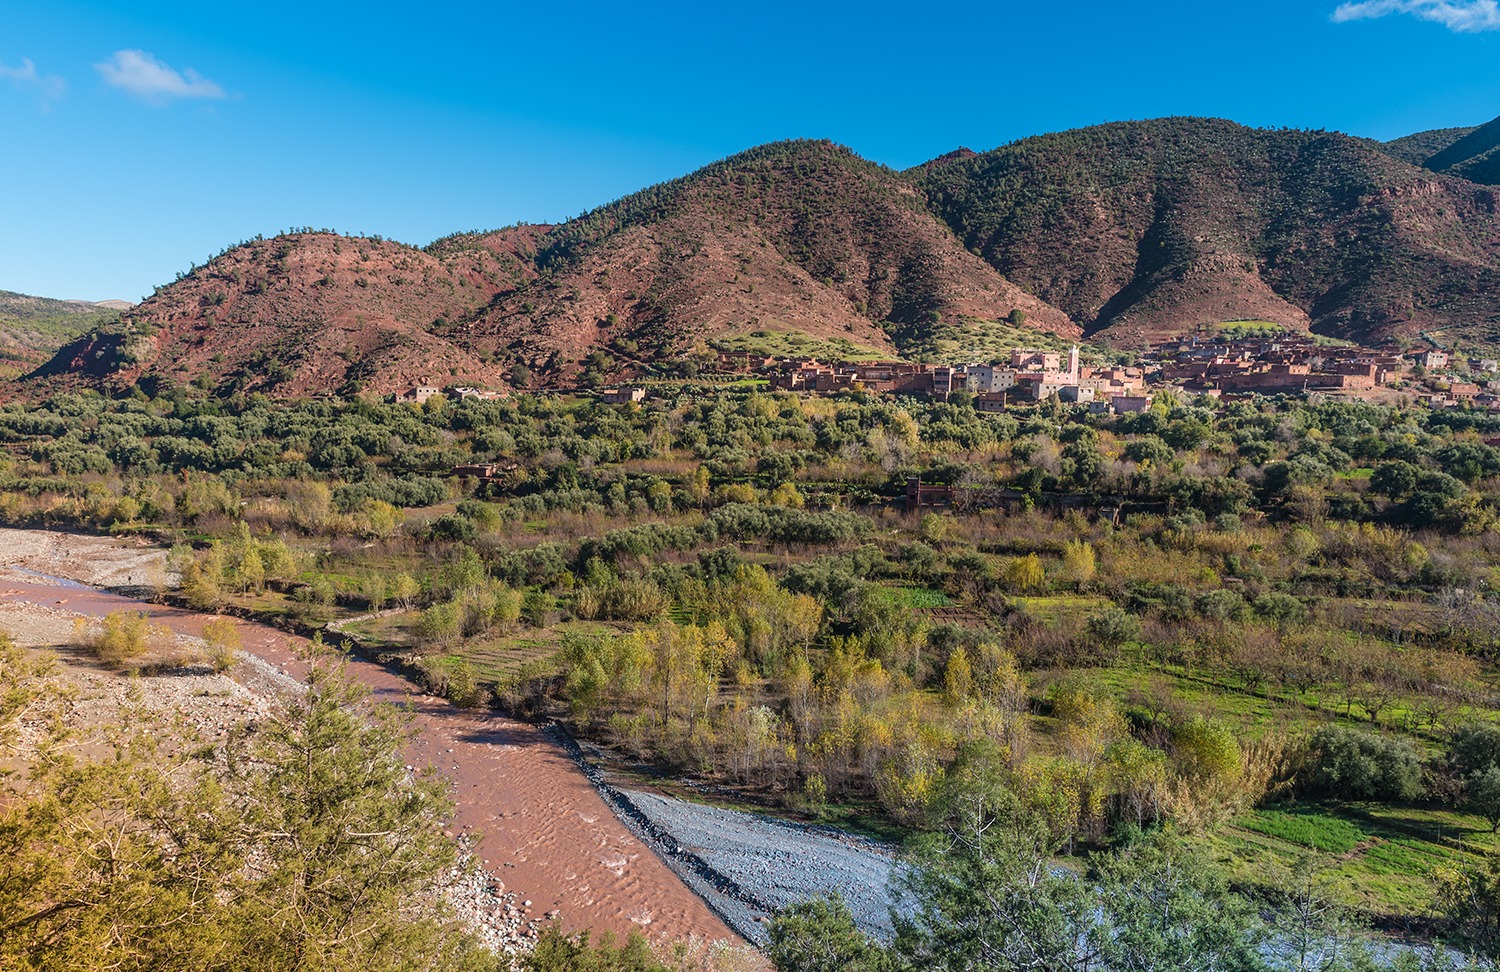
796,235
1127,231
1142,229
312,313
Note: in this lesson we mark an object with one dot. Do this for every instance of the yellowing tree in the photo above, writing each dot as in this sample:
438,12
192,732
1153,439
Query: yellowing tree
124,636
222,635
786,495
958,678
1025,574
1079,564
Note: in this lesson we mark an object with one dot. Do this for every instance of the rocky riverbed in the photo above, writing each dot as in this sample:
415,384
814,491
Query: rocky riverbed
747,866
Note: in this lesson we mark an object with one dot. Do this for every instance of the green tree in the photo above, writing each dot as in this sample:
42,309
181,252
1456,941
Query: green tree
1353,764
343,837
1113,629
1483,795
1165,908
820,935
556,952
993,902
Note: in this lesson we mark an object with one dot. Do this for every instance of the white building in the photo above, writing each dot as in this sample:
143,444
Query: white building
988,378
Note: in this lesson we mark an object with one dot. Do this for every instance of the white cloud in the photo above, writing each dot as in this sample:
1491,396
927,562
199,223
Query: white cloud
1463,16
27,76
141,74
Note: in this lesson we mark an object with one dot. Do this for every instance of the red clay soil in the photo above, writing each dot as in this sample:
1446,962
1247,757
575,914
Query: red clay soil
542,828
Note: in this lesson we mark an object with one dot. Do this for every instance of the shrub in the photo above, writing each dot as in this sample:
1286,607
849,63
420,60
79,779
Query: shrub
124,636
1475,748
1113,629
222,636
1280,609
454,527
819,935
1221,605
1484,795
1361,765
441,622
1206,749
1025,573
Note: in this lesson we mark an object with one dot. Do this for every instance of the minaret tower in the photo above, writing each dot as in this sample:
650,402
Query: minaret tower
1073,365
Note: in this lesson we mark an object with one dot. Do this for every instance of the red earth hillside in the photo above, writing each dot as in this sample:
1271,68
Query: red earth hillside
313,313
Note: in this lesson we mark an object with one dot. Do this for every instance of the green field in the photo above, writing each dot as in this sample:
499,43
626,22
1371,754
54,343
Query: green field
1381,858
974,339
797,344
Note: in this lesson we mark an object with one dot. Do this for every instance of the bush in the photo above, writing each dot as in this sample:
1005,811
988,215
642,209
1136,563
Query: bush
1025,574
124,636
454,527
1475,748
820,935
1280,609
222,636
1207,749
1359,765
1113,629
556,952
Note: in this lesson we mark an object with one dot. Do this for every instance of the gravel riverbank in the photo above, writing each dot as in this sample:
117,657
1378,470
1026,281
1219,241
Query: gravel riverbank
746,866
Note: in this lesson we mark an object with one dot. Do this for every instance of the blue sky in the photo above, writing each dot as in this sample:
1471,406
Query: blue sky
142,137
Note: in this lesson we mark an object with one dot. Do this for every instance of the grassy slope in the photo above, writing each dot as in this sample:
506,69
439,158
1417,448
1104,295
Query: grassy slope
32,328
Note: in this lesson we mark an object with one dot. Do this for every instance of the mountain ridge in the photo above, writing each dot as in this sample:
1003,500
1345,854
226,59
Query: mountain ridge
1127,232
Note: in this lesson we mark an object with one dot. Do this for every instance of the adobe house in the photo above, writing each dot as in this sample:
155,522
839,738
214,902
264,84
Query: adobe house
624,395
419,394
919,495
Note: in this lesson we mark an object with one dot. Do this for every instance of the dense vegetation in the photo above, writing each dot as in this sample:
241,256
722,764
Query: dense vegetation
1474,156
1283,651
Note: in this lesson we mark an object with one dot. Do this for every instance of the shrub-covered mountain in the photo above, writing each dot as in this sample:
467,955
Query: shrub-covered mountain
1420,147
1475,156
1147,228
312,313
799,235
33,328
1130,230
